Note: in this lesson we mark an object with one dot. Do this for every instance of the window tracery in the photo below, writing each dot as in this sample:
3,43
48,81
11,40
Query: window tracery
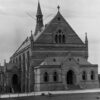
60,37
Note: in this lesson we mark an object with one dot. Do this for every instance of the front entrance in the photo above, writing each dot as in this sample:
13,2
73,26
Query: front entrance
71,80
70,77
15,84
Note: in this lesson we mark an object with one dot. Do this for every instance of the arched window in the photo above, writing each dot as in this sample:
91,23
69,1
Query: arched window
84,76
63,38
60,38
58,18
59,31
46,77
92,75
56,38
55,77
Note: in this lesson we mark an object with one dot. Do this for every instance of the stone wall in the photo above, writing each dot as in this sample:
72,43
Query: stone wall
89,83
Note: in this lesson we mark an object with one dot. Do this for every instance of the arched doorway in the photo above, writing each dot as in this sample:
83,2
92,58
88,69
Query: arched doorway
15,83
70,78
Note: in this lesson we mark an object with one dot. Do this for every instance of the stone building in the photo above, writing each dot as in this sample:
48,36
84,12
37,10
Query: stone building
52,58
2,76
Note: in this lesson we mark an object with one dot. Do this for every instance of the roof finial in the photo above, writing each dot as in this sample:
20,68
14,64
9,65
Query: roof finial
31,32
86,39
86,35
4,61
39,12
58,7
31,37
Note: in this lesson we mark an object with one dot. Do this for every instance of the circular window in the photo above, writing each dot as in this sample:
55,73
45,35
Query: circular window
58,18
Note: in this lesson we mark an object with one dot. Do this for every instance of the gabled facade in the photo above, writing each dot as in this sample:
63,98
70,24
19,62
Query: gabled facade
53,58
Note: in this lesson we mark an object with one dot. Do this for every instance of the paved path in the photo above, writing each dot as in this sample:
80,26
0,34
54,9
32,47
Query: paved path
50,92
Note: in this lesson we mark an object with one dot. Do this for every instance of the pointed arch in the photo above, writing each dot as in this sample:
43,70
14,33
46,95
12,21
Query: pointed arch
60,38
84,75
55,76
63,38
56,38
15,83
46,77
70,77
92,75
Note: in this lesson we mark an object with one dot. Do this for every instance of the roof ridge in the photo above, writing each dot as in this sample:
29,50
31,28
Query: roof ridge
21,45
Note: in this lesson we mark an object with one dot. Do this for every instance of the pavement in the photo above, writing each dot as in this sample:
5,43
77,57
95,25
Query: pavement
89,94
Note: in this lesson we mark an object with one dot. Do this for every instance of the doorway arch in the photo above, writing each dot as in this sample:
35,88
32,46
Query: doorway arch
15,83
70,77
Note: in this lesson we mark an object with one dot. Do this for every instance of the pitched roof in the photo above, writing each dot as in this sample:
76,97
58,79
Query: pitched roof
45,36
82,61
25,44
53,61
58,22
10,66
60,60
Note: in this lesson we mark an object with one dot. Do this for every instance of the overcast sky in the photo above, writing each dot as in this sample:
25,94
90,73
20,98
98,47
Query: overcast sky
16,23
